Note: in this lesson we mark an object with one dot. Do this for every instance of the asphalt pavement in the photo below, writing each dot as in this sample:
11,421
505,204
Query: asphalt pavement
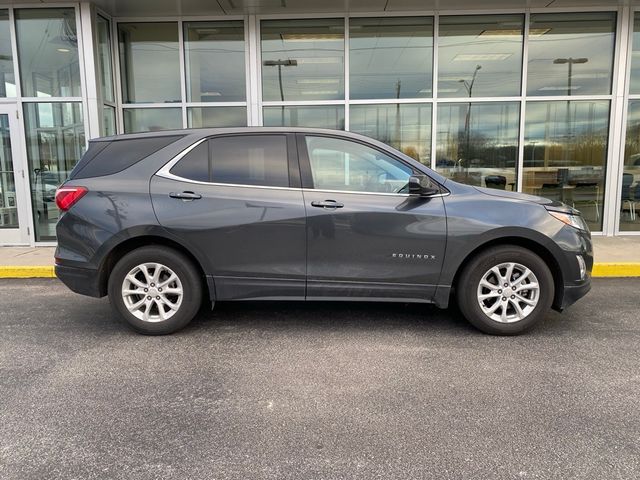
319,390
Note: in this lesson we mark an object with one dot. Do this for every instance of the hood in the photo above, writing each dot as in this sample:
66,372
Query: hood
549,204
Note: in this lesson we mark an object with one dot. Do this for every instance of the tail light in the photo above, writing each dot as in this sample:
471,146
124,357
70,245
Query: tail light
66,197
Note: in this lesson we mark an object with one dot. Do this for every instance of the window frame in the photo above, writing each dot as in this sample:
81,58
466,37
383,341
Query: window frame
616,17
183,104
382,18
314,21
186,52
439,90
618,138
620,52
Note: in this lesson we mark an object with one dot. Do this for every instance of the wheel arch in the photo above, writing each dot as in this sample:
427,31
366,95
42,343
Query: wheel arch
120,249
536,247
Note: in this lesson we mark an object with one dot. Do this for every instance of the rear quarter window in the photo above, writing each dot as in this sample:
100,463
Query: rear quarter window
107,158
195,164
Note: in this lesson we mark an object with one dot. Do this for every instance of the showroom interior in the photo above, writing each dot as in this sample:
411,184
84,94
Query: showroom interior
537,97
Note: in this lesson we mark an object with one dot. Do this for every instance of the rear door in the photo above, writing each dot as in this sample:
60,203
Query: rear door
236,201
366,237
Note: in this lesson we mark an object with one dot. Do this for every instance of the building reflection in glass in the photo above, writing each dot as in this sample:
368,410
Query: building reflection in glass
313,50
565,154
406,127
480,55
321,116
630,190
390,57
478,143
55,142
588,35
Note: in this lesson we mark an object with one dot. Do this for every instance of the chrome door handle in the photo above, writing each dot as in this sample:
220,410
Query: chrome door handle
185,195
328,204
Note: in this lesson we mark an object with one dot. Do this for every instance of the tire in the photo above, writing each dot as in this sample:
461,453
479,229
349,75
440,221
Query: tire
511,310
167,306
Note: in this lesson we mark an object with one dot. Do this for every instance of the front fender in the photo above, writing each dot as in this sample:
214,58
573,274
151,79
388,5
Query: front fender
458,252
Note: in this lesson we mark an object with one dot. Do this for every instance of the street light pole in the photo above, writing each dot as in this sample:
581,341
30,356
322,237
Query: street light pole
533,152
280,63
398,143
569,62
469,87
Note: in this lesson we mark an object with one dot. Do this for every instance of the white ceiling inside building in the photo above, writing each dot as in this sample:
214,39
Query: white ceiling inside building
122,8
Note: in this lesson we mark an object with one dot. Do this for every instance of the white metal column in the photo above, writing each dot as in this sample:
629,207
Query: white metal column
619,107
91,75
254,84
15,207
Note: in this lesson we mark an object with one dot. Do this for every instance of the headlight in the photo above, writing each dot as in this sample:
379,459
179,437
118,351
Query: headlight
575,221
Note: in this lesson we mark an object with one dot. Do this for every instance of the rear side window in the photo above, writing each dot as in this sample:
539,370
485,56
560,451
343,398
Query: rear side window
195,164
250,160
107,158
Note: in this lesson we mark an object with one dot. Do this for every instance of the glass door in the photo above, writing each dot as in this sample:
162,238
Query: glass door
13,215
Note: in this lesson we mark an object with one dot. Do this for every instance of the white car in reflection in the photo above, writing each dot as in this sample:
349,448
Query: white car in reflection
43,189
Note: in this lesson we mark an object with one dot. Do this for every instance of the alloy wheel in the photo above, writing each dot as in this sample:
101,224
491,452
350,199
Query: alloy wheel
508,292
152,292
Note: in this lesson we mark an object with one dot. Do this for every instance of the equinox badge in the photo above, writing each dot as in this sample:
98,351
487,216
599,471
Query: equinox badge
414,256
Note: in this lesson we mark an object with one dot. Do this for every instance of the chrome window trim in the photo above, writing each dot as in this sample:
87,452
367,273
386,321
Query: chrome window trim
357,192
165,172
214,184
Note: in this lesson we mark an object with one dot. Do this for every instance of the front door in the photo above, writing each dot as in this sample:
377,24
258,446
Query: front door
366,236
13,214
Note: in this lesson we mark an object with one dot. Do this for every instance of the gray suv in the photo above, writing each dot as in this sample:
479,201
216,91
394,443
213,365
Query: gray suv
163,221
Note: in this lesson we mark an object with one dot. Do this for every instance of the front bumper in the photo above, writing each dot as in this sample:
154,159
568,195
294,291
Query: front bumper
576,243
84,281
573,293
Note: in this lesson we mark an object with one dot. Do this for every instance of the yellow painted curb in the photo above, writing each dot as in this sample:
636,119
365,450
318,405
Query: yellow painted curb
620,269
27,271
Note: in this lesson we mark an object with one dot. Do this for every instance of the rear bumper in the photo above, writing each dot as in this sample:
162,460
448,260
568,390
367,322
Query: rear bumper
84,281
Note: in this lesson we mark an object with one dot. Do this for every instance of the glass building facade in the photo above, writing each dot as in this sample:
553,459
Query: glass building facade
544,101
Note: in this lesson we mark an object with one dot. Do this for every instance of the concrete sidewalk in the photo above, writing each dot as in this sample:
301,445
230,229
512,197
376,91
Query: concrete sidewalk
614,257
26,262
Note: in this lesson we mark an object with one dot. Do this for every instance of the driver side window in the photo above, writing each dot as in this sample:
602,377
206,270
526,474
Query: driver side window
343,165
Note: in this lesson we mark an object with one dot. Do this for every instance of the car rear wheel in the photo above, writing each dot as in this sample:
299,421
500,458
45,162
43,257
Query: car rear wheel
505,290
155,289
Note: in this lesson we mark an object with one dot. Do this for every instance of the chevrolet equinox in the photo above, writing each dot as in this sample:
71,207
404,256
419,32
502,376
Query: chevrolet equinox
162,221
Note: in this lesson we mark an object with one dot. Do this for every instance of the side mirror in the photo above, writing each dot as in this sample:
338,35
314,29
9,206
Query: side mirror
416,186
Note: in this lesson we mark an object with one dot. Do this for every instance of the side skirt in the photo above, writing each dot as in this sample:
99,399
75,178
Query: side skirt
369,291
228,288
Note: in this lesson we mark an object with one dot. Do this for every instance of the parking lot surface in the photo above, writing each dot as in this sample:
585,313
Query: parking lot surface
319,390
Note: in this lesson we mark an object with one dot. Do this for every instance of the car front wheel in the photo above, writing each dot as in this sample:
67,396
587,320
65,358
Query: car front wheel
155,289
505,290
